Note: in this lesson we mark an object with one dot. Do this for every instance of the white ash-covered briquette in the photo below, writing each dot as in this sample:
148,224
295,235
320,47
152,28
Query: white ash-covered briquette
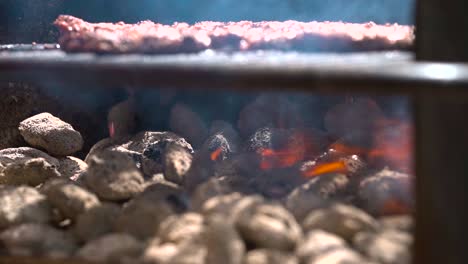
178,228
72,168
316,243
263,138
143,215
32,239
222,240
207,190
219,147
269,256
32,172
215,158
146,149
150,147
301,202
237,173
19,101
201,170
59,220
228,131
96,222
151,139
403,223
238,183
387,247
113,176
24,154
317,193
342,255
104,144
110,248
70,199
177,162
386,192
168,192
23,205
339,159
52,134
269,226
327,186
242,167
343,220
142,219
222,204
188,124
157,253
231,205
189,252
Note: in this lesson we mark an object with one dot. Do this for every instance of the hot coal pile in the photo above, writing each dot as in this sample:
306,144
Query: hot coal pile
77,35
265,190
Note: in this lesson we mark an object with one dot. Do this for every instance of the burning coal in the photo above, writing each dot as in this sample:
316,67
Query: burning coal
268,183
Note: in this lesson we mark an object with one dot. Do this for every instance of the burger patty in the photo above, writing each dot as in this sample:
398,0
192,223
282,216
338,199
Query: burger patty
77,35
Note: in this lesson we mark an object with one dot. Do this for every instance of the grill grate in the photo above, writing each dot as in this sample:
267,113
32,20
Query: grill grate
381,72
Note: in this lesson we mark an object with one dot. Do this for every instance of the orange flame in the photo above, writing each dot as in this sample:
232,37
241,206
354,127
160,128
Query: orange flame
216,154
336,166
392,145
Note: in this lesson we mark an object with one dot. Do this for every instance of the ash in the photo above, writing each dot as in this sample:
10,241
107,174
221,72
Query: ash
269,188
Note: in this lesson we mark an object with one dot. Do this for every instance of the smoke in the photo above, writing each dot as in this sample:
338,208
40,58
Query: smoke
380,11
168,11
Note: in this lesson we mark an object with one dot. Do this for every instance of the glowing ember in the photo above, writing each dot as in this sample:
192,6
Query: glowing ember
347,149
393,143
395,207
337,167
216,154
280,159
298,148
111,128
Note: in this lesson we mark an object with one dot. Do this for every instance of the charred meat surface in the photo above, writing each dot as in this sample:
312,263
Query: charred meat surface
77,35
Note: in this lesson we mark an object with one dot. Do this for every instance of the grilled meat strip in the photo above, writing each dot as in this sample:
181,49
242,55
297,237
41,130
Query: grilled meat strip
77,35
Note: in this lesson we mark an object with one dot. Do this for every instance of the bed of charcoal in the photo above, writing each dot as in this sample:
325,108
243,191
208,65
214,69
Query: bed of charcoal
220,193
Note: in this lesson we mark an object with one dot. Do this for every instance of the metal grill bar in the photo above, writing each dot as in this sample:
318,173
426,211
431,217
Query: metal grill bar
378,72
